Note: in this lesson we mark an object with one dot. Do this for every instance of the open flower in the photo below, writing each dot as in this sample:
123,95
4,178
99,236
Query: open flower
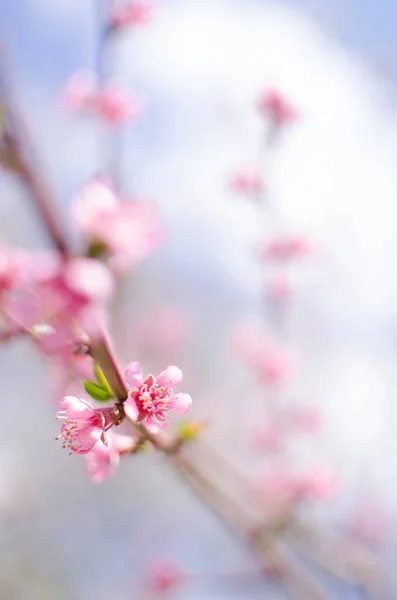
151,399
102,460
84,425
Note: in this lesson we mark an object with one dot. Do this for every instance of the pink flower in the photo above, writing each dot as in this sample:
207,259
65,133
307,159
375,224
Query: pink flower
151,400
270,361
114,106
277,108
278,289
163,328
306,419
285,248
102,460
128,230
246,182
164,577
84,425
318,484
270,438
82,95
11,268
58,298
131,14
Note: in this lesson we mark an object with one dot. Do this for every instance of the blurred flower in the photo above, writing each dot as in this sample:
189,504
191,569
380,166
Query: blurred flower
270,437
278,289
285,248
275,106
84,425
82,95
11,267
59,298
270,361
306,419
163,327
246,182
318,484
131,14
127,230
150,400
164,577
103,459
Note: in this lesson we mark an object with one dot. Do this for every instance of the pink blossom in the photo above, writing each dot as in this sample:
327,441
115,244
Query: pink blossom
276,489
278,289
82,95
102,460
58,298
151,399
269,360
317,484
132,14
163,327
270,437
114,106
164,577
306,419
277,108
285,248
246,182
84,425
128,230
11,268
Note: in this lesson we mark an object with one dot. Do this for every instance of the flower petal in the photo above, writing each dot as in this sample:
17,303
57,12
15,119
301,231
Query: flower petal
131,410
171,376
182,403
155,426
133,375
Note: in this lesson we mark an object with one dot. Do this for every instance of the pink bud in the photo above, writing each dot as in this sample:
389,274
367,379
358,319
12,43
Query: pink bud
273,105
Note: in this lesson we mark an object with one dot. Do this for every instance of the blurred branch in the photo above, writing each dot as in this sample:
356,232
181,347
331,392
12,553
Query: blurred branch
18,154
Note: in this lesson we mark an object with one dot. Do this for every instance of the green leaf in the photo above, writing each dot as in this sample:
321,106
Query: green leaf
103,382
97,392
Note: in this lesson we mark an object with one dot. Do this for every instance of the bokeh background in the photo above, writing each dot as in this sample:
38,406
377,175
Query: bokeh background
199,67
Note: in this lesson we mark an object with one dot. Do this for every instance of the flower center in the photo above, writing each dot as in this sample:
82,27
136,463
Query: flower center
153,399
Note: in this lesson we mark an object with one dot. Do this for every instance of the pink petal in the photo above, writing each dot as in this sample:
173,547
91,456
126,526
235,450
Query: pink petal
131,410
183,403
171,376
133,375
90,278
155,426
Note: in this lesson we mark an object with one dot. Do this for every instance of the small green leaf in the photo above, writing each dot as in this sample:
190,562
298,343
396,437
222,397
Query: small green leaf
103,382
97,392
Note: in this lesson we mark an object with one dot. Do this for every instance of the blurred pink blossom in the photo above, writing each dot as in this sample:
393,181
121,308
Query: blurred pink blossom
268,359
306,419
270,437
128,230
278,289
246,182
84,425
163,327
164,577
150,399
11,267
317,484
274,105
130,14
285,248
82,95
58,298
